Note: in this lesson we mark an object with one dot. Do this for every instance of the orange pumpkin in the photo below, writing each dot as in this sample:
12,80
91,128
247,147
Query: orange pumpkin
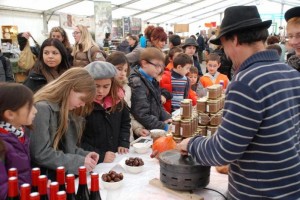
163,144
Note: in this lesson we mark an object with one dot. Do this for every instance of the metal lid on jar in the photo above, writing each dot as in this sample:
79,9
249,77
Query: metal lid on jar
174,157
185,101
203,99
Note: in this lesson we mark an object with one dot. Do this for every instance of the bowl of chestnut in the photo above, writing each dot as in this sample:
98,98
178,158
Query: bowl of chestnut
112,180
134,165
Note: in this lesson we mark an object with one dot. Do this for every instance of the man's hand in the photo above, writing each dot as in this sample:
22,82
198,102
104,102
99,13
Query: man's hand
183,145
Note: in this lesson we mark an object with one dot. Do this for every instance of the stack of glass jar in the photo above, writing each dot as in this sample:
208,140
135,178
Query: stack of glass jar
185,125
210,110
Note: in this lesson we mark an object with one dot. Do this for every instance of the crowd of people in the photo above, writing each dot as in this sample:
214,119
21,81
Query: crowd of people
80,106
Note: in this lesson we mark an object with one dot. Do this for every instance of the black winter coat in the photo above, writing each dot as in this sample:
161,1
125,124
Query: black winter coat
146,105
106,131
35,81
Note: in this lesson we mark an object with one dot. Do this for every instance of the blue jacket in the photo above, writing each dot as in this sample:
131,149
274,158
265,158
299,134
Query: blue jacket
259,134
17,156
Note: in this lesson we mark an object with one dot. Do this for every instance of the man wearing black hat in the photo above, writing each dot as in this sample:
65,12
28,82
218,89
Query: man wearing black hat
292,17
259,133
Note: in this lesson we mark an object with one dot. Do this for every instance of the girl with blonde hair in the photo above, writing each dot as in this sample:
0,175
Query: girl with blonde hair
58,124
86,50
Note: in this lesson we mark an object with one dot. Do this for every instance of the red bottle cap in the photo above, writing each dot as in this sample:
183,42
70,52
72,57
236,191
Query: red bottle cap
35,173
60,175
61,195
42,187
13,172
94,182
35,196
82,175
12,187
25,191
53,190
70,183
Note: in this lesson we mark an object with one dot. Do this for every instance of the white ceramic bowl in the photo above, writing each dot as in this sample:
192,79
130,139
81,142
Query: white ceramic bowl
134,169
112,185
155,133
141,147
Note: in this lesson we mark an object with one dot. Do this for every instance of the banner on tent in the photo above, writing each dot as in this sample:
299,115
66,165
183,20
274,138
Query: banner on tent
69,21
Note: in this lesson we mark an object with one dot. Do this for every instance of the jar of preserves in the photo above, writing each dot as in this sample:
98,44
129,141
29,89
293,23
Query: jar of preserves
202,130
201,105
213,91
212,106
186,128
216,119
186,109
176,127
203,119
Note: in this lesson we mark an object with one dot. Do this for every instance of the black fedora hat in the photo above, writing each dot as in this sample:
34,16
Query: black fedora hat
293,12
190,42
240,18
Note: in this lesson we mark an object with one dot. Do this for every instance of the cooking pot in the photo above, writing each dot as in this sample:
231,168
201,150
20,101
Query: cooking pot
182,172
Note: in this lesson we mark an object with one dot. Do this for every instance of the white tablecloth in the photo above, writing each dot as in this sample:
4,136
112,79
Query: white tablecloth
137,187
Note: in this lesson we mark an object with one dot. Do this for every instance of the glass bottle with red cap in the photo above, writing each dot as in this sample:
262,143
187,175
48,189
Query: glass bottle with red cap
53,190
82,192
95,193
34,196
60,178
13,172
61,195
13,192
42,187
35,173
70,180
25,191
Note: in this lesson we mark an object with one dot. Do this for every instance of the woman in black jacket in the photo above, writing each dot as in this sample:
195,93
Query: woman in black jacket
51,63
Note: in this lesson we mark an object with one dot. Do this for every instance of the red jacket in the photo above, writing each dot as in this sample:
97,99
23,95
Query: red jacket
167,84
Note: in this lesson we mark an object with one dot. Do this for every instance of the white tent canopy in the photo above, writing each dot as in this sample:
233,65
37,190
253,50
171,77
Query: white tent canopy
38,16
154,11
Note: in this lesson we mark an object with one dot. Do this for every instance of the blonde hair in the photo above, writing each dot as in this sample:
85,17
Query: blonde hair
58,91
85,42
65,41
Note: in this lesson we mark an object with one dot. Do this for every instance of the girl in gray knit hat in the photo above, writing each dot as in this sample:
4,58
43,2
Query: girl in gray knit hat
107,127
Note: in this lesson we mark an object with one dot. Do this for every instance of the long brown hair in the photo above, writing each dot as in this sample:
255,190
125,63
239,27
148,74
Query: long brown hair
58,91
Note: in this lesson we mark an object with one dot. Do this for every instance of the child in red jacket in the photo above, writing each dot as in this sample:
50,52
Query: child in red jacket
176,82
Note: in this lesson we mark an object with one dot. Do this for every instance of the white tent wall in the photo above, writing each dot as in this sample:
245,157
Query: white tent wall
25,21
30,19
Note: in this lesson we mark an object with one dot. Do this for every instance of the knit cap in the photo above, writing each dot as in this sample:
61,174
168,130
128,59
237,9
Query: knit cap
101,70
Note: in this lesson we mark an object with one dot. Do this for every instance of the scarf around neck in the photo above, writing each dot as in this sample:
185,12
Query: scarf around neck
11,129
